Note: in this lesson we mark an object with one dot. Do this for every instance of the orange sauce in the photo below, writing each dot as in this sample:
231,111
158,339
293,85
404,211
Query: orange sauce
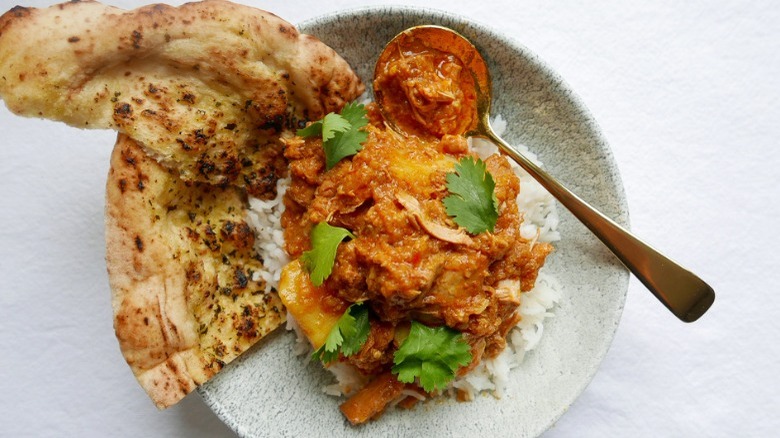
426,91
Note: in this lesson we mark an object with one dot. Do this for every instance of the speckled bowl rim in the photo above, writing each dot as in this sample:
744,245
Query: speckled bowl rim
603,148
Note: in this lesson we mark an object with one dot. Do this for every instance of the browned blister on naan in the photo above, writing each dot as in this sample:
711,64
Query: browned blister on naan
181,259
204,87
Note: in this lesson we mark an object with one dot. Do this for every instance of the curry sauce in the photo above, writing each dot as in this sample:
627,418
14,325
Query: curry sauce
427,91
407,260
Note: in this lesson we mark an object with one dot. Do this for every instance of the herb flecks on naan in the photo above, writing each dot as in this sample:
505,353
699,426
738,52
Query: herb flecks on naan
204,87
201,95
180,259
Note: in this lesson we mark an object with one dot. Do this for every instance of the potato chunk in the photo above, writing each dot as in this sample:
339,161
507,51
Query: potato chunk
314,309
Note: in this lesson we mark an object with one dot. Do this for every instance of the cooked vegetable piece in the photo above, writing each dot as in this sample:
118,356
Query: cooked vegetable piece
431,353
313,309
372,399
472,201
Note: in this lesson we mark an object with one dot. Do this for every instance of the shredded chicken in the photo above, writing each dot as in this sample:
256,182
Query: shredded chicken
436,230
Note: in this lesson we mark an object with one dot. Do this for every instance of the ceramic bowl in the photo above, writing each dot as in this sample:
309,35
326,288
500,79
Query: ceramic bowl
271,392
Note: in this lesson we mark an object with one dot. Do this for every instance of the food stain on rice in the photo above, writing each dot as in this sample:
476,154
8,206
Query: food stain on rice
540,222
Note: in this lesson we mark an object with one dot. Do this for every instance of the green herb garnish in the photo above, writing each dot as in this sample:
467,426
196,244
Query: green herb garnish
327,127
325,240
472,200
432,354
348,336
342,135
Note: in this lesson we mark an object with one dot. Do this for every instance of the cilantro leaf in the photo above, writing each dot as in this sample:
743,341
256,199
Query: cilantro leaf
327,127
355,114
356,335
342,134
348,142
432,354
329,351
325,240
342,146
333,123
313,130
472,200
350,333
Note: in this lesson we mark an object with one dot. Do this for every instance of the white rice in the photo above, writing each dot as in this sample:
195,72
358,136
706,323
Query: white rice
265,217
540,222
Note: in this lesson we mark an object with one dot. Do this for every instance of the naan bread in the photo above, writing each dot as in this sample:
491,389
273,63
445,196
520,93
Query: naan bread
180,260
204,87
201,95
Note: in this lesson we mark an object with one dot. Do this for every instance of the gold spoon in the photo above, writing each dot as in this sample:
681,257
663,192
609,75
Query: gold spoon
681,291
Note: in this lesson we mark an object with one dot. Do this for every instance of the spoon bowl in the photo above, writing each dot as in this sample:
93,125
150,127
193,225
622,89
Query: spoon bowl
686,295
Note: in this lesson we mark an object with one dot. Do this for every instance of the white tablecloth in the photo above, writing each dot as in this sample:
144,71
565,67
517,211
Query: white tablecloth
687,94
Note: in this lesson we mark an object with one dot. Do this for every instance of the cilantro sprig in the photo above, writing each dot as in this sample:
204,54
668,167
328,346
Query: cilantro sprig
347,337
432,354
342,134
472,200
325,240
327,127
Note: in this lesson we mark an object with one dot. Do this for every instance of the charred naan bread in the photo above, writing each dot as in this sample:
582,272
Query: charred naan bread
180,260
201,95
204,87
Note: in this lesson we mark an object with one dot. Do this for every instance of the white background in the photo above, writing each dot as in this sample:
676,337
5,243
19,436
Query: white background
687,94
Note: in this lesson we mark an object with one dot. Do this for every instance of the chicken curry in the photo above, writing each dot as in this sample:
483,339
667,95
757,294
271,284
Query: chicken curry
406,260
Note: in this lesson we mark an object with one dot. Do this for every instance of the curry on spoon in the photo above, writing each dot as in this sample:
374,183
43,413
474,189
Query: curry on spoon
449,92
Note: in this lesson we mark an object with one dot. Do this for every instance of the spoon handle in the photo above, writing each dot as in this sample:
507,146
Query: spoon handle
681,291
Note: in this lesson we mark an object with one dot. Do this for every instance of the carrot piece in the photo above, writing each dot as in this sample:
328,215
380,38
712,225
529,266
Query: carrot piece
372,399
408,403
